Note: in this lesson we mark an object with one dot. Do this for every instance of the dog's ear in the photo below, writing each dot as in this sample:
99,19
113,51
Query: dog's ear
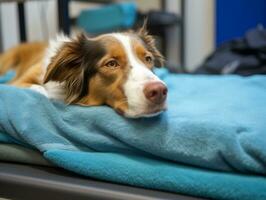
74,64
149,41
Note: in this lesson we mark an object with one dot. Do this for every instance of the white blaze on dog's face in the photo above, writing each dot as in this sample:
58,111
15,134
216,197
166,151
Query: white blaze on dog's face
140,78
113,69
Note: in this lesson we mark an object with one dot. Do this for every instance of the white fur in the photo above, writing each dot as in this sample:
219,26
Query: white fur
54,46
138,76
40,89
54,89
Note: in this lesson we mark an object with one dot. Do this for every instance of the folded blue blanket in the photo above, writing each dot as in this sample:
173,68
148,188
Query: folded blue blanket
216,123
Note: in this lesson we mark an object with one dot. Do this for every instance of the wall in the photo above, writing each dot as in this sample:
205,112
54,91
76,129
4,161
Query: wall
200,31
8,25
235,17
41,21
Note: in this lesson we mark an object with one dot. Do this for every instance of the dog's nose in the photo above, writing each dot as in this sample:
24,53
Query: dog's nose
155,92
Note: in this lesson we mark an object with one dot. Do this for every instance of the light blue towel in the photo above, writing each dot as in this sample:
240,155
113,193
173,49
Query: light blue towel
213,123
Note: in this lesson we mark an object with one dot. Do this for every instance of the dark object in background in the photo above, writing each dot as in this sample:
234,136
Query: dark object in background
243,56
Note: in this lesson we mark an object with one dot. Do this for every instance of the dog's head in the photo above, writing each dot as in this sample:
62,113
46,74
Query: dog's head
113,69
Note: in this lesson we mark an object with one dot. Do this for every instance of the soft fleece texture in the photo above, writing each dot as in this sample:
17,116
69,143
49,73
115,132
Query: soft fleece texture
216,123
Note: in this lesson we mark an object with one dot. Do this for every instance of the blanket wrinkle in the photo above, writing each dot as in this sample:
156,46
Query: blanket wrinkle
214,124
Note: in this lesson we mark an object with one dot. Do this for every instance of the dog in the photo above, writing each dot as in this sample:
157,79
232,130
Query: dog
113,69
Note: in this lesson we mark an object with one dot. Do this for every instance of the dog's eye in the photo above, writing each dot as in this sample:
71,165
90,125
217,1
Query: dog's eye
148,59
112,64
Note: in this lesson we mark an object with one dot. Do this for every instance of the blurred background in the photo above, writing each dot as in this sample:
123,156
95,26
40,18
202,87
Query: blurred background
189,33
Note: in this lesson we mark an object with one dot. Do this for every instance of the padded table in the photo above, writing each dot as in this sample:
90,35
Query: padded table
31,182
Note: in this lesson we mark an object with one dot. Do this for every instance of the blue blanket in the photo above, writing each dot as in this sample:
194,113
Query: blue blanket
211,142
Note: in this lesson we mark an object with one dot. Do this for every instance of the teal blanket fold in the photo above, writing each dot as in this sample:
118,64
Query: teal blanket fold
214,124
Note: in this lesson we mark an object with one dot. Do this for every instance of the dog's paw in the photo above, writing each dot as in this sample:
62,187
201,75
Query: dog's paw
40,89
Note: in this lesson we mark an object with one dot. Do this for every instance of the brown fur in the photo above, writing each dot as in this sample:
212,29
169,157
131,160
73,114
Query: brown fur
82,64
31,76
74,64
149,42
21,59
107,84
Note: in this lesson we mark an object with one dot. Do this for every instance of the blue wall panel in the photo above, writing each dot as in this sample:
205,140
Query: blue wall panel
235,17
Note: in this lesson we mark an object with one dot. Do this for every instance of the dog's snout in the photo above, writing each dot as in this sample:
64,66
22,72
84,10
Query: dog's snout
155,92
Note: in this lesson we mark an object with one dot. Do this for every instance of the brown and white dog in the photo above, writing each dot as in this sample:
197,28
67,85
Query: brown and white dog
113,69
